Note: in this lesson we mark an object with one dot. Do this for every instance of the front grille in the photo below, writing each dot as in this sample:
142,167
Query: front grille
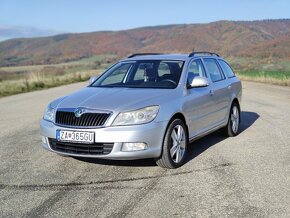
85,120
79,148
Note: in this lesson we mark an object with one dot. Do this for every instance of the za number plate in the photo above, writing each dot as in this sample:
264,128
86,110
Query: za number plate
75,136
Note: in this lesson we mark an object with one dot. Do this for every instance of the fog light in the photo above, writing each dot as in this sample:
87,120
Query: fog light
43,139
134,146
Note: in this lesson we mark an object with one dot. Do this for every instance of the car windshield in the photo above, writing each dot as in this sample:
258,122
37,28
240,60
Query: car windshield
142,74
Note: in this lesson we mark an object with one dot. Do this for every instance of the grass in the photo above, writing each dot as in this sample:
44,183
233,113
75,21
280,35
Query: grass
259,64
271,77
264,70
37,81
93,62
19,79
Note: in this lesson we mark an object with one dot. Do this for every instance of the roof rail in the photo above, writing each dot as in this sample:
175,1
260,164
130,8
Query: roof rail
202,52
140,54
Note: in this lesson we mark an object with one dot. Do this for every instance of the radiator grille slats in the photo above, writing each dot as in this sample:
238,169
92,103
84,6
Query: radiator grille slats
85,120
79,148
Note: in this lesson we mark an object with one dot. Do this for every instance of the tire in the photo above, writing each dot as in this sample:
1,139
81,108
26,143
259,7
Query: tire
232,128
176,141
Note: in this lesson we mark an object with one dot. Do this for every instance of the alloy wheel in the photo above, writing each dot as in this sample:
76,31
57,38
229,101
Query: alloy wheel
235,119
178,143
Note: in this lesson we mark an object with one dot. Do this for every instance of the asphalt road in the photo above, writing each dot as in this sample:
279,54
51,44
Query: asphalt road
245,176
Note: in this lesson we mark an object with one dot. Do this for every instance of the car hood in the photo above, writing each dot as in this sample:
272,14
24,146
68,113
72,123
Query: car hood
114,99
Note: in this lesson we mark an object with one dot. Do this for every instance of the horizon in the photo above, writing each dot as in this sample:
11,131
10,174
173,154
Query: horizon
138,27
49,33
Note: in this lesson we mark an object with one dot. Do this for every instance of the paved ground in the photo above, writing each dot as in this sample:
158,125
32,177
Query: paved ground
246,176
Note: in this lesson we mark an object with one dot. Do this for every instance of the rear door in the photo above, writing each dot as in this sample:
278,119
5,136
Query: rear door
234,86
219,92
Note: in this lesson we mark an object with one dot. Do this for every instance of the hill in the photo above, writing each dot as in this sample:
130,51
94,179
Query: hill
267,38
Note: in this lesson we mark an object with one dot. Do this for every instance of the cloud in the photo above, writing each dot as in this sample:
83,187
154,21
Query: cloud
10,32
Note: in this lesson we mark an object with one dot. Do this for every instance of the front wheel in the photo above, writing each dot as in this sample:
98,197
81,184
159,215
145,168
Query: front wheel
174,145
232,128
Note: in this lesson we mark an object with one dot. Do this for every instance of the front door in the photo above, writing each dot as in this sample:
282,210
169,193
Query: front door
198,105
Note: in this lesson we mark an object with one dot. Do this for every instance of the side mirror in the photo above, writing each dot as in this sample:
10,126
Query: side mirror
198,81
92,79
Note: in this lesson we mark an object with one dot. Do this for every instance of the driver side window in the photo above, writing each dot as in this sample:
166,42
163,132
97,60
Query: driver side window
195,69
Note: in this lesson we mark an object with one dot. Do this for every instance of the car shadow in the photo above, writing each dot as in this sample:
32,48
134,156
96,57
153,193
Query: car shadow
199,146
196,148
124,163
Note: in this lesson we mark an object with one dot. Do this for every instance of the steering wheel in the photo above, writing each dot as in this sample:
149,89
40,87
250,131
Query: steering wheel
170,80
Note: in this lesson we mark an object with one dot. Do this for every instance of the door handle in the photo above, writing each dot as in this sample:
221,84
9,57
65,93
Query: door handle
229,87
211,92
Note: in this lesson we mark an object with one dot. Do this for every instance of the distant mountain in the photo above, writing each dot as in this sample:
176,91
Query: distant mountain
267,38
10,32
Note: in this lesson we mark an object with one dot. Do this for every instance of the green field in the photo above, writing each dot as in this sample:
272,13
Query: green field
272,77
266,70
281,75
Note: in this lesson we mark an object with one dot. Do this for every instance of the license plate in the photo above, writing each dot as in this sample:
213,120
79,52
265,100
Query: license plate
75,136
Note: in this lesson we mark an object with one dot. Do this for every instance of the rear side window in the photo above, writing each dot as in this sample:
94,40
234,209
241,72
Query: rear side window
213,69
227,69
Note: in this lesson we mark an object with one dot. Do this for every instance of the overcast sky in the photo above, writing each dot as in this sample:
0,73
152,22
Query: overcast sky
95,15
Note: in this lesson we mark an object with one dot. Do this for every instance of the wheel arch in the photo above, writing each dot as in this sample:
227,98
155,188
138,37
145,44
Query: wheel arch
179,116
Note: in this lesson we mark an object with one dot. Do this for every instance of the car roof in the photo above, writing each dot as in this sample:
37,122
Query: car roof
177,57
181,57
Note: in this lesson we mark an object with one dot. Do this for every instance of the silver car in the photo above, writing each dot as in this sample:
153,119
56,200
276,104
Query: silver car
146,106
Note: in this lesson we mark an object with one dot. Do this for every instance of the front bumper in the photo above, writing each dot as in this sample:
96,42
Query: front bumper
151,133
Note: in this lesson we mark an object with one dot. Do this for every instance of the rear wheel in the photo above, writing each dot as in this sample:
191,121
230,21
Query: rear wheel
174,146
232,127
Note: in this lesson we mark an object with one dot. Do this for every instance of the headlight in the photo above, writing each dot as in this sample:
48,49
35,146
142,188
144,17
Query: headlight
143,115
49,113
